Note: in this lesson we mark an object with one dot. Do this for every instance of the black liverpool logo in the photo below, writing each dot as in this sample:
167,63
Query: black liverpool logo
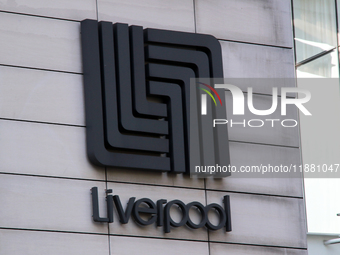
137,95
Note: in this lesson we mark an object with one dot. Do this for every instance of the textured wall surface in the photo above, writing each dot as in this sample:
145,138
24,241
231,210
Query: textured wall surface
45,176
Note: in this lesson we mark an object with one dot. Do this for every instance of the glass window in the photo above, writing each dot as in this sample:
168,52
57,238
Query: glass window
315,27
326,66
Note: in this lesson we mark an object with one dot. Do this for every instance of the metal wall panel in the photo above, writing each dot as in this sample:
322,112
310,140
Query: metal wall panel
65,9
247,154
261,66
37,95
18,242
263,220
40,43
226,249
172,15
272,132
263,22
122,246
50,204
44,149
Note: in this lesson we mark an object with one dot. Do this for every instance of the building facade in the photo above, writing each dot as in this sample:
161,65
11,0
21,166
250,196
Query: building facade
46,177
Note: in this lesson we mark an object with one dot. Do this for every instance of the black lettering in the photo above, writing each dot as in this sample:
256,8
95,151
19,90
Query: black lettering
95,207
160,213
222,217
203,212
226,201
168,221
124,216
151,209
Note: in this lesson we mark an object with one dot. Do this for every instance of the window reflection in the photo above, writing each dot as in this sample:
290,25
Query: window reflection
315,27
326,66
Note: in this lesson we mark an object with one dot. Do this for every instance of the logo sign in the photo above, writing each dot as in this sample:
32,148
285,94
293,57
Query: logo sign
159,212
137,95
